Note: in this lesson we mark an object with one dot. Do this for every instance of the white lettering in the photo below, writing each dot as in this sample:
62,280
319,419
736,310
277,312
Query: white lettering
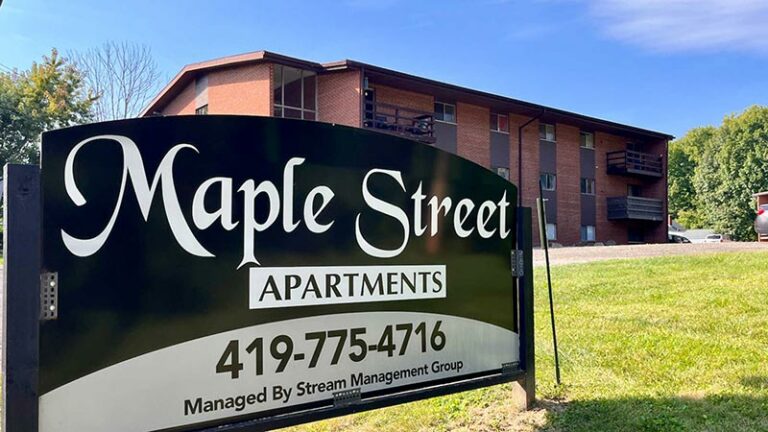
250,225
386,208
288,224
202,218
464,206
133,170
418,225
310,216
486,207
503,204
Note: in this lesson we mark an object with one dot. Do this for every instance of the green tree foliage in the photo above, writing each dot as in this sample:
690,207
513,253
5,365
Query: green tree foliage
733,168
713,173
684,157
47,96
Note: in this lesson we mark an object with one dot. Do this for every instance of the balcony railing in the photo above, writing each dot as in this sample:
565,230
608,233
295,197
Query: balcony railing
635,208
629,162
402,121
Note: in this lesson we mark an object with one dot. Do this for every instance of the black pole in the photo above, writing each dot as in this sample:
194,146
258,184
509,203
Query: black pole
545,244
526,389
21,297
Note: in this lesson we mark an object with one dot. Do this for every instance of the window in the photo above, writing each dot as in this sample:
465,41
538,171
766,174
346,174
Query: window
295,93
633,190
587,233
201,95
499,123
588,186
587,140
551,231
547,132
503,172
548,181
445,112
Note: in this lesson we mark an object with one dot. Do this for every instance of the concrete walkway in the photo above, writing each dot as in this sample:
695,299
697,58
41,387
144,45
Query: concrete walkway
574,255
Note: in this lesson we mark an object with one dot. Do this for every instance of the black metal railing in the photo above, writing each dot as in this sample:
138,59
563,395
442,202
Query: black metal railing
635,208
630,162
398,120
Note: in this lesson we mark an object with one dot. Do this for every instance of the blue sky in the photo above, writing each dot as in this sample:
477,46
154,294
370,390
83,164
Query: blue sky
667,65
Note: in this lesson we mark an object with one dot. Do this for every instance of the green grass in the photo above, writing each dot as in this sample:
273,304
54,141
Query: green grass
663,344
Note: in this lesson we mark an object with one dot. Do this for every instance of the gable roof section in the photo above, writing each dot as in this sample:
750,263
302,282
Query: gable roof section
189,72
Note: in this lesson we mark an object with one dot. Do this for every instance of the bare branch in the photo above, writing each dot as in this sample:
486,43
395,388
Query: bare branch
123,75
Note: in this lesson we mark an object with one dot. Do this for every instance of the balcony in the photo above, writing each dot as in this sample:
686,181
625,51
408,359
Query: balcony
635,208
634,163
400,121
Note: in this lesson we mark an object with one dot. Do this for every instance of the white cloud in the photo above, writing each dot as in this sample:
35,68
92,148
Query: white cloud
686,25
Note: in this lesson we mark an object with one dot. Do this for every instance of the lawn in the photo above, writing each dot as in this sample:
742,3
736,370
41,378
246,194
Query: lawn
662,344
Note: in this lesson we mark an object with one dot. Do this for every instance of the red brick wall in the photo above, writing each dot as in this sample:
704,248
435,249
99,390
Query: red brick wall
608,186
241,90
531,172
247,90
403,98
568,185
183,103
338,98
473,135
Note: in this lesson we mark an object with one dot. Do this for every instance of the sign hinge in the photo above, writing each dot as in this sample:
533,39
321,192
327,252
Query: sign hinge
509,368
49,296
346,397
517,263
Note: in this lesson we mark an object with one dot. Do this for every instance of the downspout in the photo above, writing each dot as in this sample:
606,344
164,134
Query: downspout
362,96
520,155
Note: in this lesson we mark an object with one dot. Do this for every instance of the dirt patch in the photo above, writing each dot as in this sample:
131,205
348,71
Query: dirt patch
505,417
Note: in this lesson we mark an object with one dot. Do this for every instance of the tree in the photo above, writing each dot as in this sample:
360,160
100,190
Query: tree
124,76
49,95
732,168
684,157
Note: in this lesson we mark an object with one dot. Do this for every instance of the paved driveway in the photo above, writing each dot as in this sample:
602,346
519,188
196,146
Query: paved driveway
573,255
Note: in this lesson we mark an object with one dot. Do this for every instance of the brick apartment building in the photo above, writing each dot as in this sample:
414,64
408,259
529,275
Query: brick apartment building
604,181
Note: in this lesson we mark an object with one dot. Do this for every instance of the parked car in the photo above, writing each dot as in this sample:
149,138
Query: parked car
678,238
713,238
761,221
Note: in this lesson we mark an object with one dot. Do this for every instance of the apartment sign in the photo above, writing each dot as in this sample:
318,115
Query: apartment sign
221,269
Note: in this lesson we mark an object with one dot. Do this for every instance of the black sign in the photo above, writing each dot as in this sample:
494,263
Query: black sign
222,268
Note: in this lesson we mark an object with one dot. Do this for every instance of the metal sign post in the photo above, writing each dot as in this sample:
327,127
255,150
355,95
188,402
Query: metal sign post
525,388
21,297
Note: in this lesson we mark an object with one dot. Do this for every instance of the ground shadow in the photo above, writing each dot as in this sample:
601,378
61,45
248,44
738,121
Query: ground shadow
755,382
723,413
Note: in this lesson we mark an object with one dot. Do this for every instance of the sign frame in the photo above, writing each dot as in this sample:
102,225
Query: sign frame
22,316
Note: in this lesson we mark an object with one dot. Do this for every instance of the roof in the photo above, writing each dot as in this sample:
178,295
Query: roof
399,79
760,194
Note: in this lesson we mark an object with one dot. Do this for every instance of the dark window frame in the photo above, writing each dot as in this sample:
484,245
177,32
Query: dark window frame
546,184
581,141
279,108
554,231
584,233
495,123
543,132
440,113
